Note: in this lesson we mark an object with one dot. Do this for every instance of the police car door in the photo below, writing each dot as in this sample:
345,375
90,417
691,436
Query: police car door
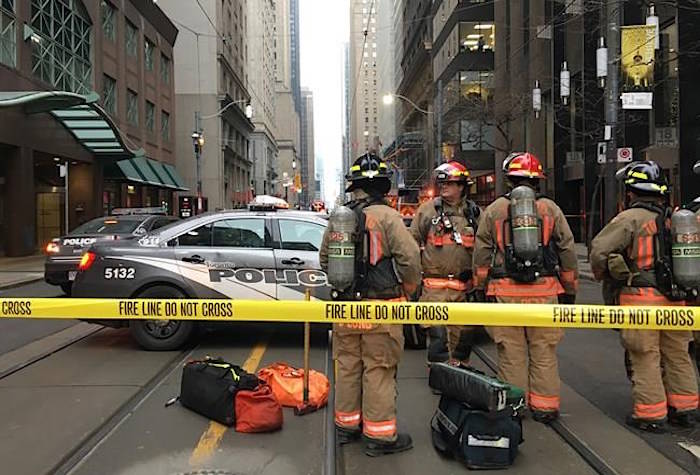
228,258
297,242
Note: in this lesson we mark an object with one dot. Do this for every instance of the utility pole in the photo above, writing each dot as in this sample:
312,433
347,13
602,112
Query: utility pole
438,107
612,100
198,142
63,172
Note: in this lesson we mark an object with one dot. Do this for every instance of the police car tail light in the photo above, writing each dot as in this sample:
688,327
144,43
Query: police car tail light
52,248
86,261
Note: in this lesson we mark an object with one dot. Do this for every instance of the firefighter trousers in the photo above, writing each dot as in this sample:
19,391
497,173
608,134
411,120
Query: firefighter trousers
365,387
655,390
459,337
527,358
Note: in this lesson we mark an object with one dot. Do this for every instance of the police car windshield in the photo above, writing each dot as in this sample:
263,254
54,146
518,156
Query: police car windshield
109,225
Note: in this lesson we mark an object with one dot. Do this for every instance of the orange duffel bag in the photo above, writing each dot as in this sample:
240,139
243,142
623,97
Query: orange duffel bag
287,382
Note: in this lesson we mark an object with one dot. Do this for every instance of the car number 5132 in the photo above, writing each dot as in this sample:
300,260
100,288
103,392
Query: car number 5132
119,273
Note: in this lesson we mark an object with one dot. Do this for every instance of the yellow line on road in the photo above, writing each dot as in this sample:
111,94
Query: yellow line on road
211,438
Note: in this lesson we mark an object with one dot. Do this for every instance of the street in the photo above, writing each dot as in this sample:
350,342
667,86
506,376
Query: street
95,404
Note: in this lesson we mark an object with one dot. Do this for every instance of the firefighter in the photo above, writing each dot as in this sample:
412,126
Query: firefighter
524,253
444,228
630,253
366,354
695,207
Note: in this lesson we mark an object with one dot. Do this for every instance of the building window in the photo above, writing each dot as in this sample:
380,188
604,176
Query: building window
474,36
164,69
109,95
148,50
150,116
132,39
8,35
61,44
165,126
109,21
132,108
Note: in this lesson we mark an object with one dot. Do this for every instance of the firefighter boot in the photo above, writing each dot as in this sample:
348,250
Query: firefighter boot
685,419
347,436
545,417
437,344
377,448
653,426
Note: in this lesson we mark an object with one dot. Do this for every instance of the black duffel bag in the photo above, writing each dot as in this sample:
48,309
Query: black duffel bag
471,386
479,439
209,388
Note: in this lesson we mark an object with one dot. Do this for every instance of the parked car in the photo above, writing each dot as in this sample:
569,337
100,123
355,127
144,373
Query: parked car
63,253
239,254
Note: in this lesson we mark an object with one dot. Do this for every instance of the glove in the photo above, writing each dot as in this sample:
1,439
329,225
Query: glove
567,299
476,295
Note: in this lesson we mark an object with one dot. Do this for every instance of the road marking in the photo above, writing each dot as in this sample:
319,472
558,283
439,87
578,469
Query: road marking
693,449
211,438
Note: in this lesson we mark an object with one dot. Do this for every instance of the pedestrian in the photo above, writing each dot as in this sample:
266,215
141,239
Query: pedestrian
524,253
630,251
367,354
444,228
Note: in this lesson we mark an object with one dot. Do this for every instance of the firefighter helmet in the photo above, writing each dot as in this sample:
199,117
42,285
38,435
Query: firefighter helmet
452,171
523,165
367,169
696,168
644,177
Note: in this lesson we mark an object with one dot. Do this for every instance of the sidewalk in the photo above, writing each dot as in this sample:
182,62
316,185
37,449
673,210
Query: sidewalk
15,271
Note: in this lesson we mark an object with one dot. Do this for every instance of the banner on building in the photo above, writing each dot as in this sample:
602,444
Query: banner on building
637,63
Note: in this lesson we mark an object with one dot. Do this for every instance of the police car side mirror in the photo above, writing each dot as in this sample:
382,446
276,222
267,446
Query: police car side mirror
172,243
140,231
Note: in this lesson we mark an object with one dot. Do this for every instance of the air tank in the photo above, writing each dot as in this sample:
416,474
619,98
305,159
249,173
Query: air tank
341,248
685,248
524,223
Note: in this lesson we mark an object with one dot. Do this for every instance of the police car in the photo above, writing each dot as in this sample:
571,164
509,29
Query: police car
239,254
63,254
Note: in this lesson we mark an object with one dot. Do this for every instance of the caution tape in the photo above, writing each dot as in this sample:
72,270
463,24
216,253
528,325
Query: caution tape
357,313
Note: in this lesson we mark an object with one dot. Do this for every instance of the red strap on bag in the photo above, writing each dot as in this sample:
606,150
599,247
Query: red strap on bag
258,411
287,382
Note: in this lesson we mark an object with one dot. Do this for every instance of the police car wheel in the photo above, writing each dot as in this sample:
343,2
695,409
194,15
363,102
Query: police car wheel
161,335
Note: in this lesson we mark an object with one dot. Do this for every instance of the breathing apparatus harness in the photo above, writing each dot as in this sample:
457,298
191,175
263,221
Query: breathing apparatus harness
523,270
377,281
661,277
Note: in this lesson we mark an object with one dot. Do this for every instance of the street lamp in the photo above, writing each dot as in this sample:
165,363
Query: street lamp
388,99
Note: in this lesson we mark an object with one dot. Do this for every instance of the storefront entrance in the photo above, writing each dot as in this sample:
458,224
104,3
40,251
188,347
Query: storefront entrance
49,217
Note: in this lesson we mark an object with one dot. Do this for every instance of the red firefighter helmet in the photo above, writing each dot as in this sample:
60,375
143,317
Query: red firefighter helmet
452,171
523,165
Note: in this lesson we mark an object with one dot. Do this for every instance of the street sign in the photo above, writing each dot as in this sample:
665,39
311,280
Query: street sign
637,100
602,152
667,137
624,154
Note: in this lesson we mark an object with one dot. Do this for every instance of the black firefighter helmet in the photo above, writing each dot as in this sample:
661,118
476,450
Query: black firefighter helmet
370,174
645,178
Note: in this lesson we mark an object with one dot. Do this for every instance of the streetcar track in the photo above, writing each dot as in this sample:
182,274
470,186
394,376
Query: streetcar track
595,461
79,454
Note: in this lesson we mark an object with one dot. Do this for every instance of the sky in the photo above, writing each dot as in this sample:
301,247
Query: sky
324,29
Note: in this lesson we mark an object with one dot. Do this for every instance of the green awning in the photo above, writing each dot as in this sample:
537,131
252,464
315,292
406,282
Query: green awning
80,114
175,176
163,175
129,171
146,171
